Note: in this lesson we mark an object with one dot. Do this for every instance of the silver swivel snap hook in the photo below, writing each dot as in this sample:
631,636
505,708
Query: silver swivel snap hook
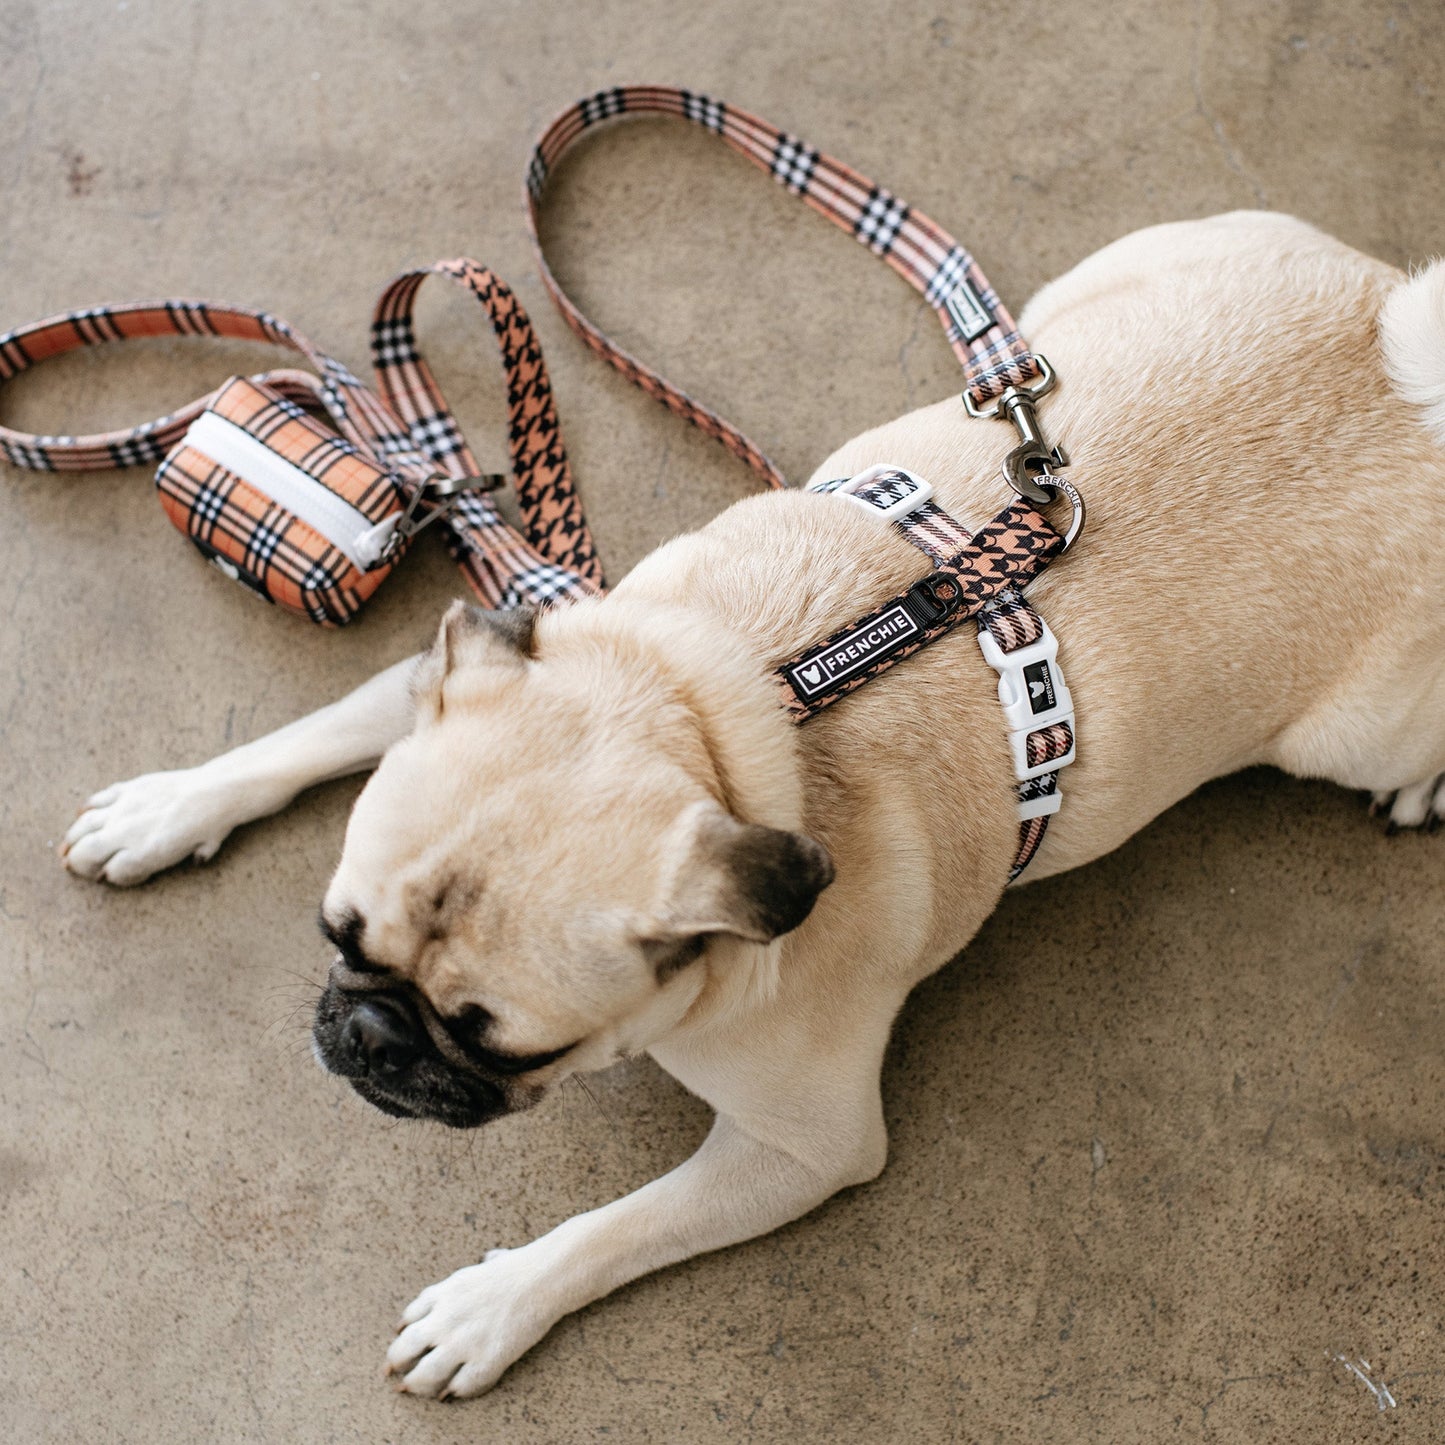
1027,468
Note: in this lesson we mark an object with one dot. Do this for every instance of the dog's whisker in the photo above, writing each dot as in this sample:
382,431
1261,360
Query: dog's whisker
596,1102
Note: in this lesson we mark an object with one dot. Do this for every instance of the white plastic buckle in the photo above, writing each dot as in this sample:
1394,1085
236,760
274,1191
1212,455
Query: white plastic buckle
1026,677
921,492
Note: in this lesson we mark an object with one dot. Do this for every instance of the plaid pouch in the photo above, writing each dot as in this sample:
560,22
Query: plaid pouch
313,515
283,505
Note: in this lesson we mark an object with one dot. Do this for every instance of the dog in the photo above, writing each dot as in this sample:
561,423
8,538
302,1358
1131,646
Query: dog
594,831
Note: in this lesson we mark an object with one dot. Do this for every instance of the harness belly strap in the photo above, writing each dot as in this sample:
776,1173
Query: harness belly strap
979,577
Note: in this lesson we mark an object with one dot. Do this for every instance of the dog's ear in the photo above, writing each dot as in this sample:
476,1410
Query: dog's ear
740,878
468,636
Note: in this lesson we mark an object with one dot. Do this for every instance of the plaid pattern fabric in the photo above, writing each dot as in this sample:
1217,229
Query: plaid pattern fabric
976,323
389,446
557,557
255,540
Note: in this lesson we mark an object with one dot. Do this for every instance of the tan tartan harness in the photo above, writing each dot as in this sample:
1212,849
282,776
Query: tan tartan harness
314,516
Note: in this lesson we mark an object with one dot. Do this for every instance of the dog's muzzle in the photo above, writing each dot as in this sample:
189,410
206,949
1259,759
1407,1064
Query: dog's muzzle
377,1041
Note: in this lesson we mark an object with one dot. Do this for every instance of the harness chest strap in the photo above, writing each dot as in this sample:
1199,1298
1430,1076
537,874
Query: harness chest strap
977,578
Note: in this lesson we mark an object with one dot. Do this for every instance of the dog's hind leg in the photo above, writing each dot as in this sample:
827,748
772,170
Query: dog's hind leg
132,830
1421,805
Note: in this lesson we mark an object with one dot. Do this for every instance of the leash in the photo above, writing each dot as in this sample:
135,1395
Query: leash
315,519
975,576
291,518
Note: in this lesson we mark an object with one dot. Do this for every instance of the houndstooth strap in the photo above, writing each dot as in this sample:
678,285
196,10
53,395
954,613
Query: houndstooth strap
976,323
557,558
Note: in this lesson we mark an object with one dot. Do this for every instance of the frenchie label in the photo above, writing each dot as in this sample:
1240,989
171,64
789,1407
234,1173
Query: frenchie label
1040,683
852,653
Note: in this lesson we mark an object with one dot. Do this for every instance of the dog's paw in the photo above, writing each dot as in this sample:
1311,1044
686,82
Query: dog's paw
1421,805
128,832
458,1337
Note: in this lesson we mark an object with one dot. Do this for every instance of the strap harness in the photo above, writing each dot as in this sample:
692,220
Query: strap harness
405,426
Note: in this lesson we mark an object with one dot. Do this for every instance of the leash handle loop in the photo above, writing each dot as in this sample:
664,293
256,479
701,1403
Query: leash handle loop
976,323
335,388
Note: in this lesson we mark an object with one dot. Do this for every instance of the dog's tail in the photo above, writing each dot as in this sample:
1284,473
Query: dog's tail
1412,337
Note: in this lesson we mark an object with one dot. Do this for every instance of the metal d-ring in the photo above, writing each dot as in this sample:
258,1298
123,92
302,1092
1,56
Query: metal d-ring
1053,484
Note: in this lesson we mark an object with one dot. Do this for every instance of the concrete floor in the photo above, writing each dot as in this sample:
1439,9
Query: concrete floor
1166,1141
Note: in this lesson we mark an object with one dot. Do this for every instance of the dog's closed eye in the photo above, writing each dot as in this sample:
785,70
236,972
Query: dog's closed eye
345,934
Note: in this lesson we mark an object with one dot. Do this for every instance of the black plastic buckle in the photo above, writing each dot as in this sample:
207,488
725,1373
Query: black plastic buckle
933,598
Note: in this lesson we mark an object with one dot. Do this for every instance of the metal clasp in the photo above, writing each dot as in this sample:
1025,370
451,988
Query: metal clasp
442,492
1027,467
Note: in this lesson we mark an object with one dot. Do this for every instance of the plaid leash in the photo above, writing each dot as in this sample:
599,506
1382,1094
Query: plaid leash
977,576
975,322
410,434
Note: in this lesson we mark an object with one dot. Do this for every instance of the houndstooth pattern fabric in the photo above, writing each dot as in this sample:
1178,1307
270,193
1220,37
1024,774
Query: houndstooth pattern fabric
1005,554
976,323
556,558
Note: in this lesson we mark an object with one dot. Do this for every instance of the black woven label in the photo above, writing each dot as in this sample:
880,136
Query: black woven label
822,671
1040,683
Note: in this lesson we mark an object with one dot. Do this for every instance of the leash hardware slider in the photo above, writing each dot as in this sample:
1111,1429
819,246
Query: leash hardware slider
920,491
1044,806
442,492
934,597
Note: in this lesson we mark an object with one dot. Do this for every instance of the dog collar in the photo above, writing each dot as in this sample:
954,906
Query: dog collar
979,577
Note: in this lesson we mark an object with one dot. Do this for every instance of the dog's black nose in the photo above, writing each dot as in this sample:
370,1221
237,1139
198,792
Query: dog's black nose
380,1036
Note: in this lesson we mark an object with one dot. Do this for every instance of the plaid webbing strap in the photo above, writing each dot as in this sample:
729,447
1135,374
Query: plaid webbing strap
976,323
411,433
979,577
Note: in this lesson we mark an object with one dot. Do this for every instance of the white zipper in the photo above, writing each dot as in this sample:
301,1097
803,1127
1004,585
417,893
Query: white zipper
347,528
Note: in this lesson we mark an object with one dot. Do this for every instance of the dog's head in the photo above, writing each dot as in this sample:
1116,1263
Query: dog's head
533,879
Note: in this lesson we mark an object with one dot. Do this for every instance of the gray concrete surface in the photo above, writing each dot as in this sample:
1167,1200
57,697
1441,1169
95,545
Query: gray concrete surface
1166,1140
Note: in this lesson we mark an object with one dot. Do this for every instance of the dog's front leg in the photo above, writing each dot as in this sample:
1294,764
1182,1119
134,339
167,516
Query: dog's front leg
460,1335
131,830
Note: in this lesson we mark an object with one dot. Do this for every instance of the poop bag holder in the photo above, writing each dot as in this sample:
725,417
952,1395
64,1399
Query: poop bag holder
282,505
311,514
